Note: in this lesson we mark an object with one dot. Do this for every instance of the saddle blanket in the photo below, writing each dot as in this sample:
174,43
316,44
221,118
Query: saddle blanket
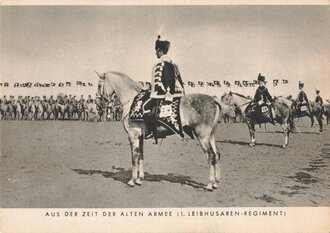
302,111
260,114
168,113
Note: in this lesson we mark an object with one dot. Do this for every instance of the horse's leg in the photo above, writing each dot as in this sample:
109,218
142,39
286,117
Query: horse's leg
217,162
286,130
311,115
252,132
319,119
204,141
134,139
140,160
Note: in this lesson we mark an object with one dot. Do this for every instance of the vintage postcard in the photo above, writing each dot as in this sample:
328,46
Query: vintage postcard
185,116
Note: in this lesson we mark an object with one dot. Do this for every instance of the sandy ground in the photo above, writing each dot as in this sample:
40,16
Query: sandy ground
66,164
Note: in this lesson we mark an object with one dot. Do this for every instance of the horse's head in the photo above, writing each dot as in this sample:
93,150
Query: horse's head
227,98
104,89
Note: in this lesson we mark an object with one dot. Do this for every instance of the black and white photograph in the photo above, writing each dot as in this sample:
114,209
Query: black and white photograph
197,111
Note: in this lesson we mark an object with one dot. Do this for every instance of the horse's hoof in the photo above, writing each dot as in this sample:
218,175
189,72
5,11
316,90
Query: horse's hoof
215,185
131,183
138,182
252,144
209,188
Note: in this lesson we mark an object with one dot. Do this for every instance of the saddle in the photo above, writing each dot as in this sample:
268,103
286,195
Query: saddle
167,113
260,113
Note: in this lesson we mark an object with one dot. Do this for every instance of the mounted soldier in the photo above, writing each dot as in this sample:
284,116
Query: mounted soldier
51,100
301,102
81,100
261,103
89,100
302,97
166,84
319,99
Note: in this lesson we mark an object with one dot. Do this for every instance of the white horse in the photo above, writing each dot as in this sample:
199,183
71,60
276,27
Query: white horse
199,114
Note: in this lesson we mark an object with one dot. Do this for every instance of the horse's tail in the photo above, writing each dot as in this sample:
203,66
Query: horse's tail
221,106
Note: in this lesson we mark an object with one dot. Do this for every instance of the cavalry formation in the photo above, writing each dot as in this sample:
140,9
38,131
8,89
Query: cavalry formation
62,108
199,115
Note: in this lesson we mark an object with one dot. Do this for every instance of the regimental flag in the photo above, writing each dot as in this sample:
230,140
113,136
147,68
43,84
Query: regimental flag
192,84
90,84
210,84
25,85
238,83
51,84
255,82
285,81
251,84
38,85
245,83
275,82
201,83
80,83
217,83
4,84
226,83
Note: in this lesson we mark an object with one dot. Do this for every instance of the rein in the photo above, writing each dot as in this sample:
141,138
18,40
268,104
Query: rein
244,97
241,96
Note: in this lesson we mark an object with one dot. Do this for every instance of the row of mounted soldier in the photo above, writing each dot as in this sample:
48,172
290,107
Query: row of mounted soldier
62,107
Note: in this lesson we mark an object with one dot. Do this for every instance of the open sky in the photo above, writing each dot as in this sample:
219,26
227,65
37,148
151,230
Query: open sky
68,43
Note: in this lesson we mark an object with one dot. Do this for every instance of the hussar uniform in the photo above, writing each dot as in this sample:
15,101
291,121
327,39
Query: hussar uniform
318,98
302,97
302,103
262,98
166,84
166,79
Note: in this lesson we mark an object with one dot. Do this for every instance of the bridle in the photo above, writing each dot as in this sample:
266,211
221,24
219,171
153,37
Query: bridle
101,90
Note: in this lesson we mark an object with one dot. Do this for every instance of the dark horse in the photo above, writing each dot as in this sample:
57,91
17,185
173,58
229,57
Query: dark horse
313,109
281,110
198,112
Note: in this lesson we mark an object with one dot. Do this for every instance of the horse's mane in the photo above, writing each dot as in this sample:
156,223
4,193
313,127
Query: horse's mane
240,95
131,83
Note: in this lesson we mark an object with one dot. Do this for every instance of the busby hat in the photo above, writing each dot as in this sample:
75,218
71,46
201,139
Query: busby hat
163,45
261,78
301,84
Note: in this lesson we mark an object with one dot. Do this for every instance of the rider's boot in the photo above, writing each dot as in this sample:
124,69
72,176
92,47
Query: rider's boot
150,122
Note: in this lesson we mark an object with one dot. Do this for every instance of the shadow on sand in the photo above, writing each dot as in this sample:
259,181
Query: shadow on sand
122,175
248,144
